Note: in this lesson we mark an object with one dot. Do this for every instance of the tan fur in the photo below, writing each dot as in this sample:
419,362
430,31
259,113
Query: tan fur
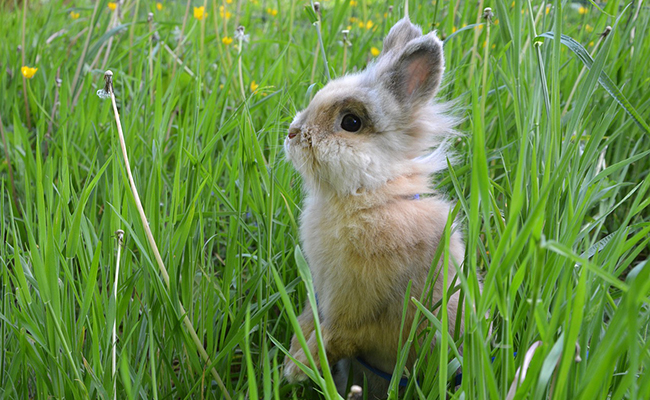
364,236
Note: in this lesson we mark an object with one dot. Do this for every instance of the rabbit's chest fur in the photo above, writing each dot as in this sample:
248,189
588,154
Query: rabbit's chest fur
363,259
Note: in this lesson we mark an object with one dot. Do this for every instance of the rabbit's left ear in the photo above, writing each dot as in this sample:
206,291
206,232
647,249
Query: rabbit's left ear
414,75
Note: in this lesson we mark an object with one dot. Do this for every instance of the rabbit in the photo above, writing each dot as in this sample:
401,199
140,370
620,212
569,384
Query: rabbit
371,221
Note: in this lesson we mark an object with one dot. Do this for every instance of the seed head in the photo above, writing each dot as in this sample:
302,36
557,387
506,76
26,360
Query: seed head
239,34
488,14
606,32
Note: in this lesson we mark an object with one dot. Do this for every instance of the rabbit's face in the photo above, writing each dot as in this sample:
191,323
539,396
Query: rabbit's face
363,130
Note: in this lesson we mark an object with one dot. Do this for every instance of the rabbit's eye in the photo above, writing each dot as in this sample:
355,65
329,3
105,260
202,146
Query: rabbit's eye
351,123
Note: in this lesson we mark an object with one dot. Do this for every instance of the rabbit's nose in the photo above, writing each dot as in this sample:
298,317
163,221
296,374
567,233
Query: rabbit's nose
293,131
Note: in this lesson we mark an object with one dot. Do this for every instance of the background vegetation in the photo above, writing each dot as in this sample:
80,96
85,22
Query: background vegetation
551,189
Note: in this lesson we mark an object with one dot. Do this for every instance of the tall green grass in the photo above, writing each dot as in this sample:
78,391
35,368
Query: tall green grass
551,191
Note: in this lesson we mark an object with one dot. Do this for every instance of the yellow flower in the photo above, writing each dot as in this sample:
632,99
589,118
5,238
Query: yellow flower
361,24
229,1
353,19
28,72
589,28
548,9
591,43
159,6
349,27
374,51
254,86
226,40
582,10
272,11
353,3
199,13
453,29
74,15
112,6
223,13
369,24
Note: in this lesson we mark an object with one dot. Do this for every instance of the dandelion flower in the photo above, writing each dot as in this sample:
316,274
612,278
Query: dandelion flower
374,51
453,29
112,6
582,10
272,11
74,15
548,9
199,13
28,72
353,3
229,1
226,40
254,86
369,24
159,6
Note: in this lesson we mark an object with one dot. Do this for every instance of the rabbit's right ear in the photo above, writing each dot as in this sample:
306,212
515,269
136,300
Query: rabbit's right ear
400,34
413,76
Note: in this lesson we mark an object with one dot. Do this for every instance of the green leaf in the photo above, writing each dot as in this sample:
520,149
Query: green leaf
604,79
311,14
73,233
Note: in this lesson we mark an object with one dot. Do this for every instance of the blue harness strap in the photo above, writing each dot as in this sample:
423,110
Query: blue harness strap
385,375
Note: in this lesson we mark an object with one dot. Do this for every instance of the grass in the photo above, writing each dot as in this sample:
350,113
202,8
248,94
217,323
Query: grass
551,190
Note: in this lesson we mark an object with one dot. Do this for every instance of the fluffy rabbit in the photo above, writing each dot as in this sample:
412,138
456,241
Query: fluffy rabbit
371,221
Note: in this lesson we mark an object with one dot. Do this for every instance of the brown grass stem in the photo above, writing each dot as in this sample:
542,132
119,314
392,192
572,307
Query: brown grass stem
119,234
108,76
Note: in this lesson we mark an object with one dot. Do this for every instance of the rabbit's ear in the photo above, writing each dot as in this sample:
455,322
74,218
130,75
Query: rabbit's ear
400,34
414,75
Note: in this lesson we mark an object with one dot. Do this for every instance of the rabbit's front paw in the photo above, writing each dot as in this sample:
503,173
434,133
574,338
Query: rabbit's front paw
292,372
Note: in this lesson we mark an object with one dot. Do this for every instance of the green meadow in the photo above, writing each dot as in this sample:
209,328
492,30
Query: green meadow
550,185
